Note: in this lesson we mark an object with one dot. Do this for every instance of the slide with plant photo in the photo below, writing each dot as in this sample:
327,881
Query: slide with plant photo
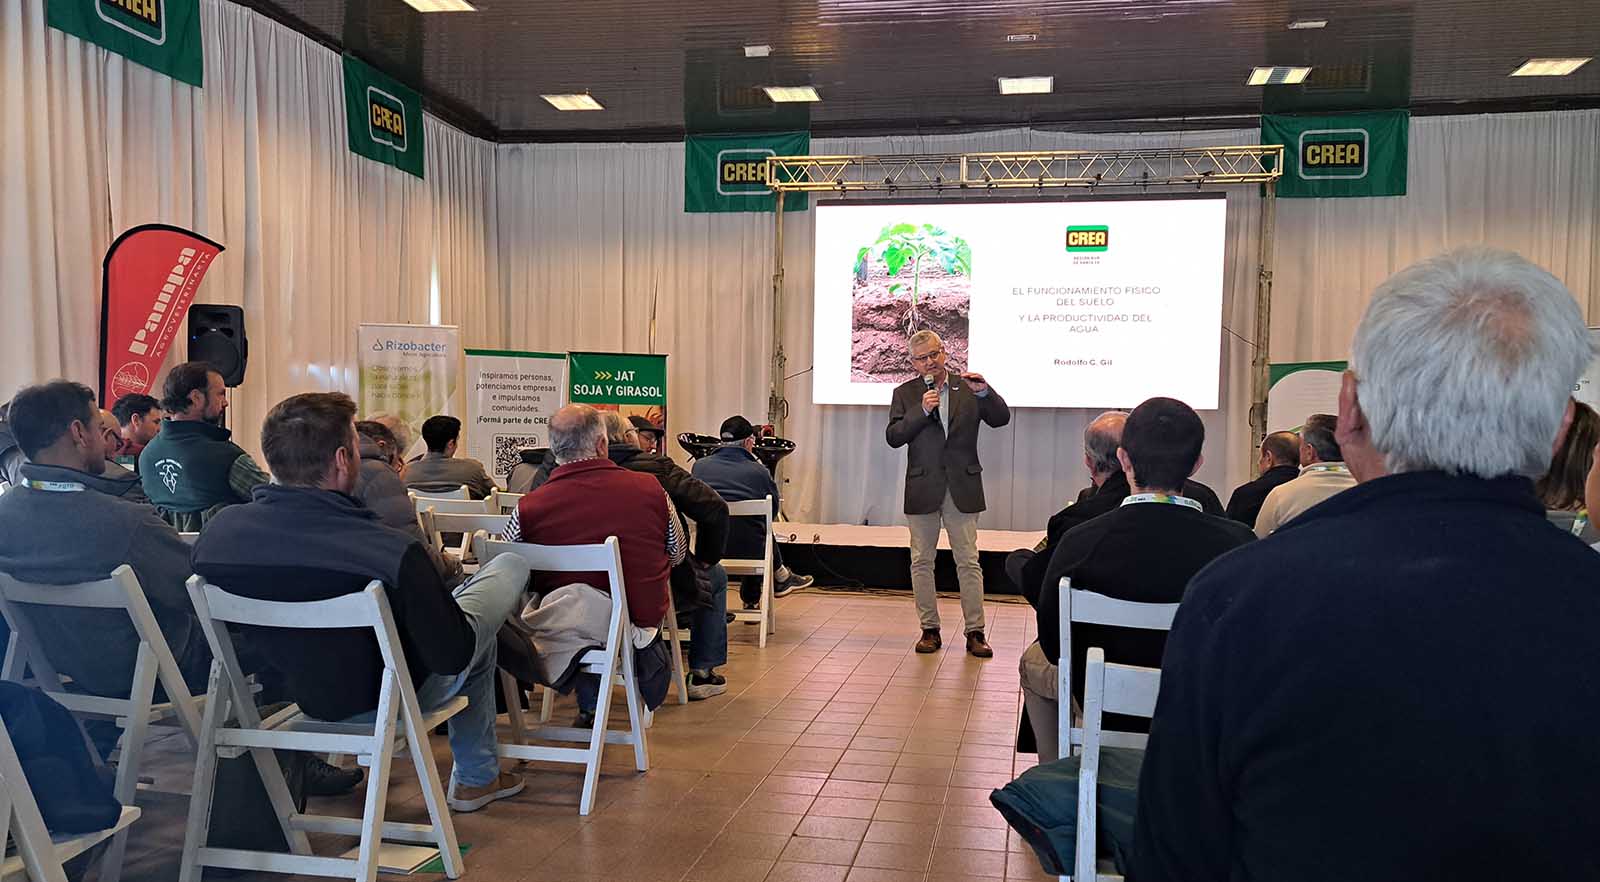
1093,303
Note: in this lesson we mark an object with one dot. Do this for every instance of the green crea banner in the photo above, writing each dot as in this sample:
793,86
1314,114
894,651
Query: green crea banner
1344,155
163,35
729,172
385,117
633,384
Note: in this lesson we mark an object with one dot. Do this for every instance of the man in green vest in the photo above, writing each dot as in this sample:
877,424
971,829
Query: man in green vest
191,469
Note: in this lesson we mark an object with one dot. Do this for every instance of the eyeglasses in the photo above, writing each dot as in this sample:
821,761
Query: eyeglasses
927,357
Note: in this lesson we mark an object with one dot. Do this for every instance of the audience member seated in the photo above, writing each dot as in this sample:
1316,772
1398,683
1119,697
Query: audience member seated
737,476
1279,464
1145,550
532,471
190,469
378,487
402,436
1108,487
649,435
1561,489
138,421
305,539
72,521
112,433
69,522
11,456
587,499
440,470
702,600
1408,668
1322,474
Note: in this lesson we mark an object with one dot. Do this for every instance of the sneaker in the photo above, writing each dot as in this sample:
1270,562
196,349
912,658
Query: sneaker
470,799
703,685
325,779
794,582
584,720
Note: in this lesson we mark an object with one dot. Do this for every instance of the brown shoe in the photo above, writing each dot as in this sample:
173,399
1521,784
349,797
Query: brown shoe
930,642
978,646
470,799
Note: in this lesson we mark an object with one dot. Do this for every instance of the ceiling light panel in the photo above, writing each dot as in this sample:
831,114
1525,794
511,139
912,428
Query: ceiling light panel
1549,67
791,94
441,6
761,51
1308,24
1277,76
573,102
1027,85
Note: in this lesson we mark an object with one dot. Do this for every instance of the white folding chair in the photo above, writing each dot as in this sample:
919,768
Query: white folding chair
1087,607
40,858
153,662
613,664
189,538
506,501
460,492
1107,689
231,726
764,613
466,524
4,486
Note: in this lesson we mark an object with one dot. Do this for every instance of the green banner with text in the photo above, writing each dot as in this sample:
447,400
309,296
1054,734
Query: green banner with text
729,172
163,35
1348,154
634,385
385,117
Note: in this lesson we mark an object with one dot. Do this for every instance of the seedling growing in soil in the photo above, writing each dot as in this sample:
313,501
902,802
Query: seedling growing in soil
900,244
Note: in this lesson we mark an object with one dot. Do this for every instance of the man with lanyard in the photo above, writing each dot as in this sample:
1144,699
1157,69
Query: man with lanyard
1322,474
1146,550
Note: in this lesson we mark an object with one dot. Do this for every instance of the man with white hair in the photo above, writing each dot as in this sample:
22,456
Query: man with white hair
1401,683
935,416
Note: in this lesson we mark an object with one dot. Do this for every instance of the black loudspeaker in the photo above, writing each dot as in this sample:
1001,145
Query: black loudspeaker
216,336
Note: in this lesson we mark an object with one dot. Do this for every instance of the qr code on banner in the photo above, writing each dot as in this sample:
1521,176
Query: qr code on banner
508,451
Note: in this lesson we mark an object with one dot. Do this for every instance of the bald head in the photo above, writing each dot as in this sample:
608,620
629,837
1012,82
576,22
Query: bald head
112,431
1100,442
577,432
398,428
1280,449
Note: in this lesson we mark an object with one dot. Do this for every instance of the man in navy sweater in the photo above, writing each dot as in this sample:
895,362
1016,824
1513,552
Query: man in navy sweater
1403,683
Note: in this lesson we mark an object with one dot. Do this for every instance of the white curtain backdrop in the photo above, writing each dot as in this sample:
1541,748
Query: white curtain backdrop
586,247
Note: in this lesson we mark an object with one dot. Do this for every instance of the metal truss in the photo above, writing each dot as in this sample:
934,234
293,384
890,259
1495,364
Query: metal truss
1192,166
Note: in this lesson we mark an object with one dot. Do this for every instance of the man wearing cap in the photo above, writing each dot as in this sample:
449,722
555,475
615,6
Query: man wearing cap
936,416
734,472
649,435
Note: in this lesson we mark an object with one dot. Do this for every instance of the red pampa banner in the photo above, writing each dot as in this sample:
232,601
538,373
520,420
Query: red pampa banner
150,277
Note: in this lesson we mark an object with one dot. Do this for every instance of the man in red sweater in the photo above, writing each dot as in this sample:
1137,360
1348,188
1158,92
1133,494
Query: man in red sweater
589,498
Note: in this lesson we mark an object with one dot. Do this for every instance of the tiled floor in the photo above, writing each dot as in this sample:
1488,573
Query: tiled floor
837,755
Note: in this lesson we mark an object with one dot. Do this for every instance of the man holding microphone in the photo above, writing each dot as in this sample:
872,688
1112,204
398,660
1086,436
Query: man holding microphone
937,414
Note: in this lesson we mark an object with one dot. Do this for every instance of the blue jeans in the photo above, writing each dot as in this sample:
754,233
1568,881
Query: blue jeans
487,599
708,649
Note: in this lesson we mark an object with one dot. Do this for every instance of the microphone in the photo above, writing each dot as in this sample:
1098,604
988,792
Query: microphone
930,382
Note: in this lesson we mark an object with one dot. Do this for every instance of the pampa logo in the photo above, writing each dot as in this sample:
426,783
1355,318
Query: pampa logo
1081,239
145,19
177,279
386,118
1333,154
742,171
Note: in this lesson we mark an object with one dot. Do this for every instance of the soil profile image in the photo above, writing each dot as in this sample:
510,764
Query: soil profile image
912,277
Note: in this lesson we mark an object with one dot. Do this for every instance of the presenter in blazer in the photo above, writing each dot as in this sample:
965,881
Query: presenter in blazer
937,415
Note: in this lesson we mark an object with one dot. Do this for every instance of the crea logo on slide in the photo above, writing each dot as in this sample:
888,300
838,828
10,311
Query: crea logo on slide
1088,238
145,19
742,171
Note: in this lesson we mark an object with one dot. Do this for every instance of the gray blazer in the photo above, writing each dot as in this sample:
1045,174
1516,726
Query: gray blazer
935,463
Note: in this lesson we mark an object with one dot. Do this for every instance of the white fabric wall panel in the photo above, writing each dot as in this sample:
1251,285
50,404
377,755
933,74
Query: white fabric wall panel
560,247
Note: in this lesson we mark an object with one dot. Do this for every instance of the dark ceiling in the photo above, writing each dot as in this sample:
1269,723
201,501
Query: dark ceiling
661,68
